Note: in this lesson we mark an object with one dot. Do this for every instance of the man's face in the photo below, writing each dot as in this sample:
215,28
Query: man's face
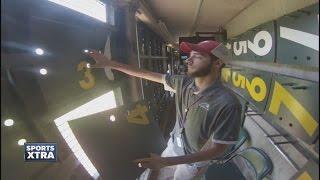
199,64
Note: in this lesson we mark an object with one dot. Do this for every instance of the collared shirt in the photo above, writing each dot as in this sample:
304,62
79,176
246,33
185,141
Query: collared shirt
216,117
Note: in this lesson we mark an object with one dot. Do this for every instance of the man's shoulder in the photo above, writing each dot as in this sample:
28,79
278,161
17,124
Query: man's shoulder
230,97
186,80
227,97
179,77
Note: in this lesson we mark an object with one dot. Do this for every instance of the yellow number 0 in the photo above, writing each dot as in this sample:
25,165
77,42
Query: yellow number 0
89,81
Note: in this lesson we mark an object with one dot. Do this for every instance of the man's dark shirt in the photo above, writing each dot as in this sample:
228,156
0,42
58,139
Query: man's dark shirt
216,116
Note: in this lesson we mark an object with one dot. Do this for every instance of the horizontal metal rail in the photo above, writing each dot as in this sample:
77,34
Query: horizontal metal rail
305,73
280,150
154,57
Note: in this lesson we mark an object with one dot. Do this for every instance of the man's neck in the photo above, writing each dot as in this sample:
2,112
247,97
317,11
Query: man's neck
203,82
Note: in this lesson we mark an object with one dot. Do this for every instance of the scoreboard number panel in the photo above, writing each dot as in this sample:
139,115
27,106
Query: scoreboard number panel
88,80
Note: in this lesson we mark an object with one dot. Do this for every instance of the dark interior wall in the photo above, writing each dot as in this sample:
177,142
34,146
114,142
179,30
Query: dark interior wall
31,99
63,34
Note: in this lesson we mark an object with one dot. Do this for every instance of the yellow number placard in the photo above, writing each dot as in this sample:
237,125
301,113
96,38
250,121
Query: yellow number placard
89,81
304,176
239,80
138,115
226,74
251,86
281,96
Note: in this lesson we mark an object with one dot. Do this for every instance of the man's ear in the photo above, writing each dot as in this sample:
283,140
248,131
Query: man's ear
219,64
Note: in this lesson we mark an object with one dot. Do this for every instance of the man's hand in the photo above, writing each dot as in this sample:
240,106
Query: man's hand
155,162
101,60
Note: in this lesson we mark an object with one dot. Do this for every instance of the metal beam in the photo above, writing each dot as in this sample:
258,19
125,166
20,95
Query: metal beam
195,18
145,15
154,57
305,73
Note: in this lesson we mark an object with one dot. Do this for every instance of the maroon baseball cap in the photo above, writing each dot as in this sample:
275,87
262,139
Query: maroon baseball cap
210,47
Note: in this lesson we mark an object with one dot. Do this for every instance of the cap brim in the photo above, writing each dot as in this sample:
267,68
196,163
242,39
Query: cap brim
188,47
220,51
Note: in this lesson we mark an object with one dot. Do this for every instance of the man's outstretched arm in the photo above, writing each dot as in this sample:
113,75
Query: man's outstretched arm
102,62
157,162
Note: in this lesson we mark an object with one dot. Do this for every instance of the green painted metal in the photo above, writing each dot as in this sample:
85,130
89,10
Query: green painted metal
236,43
258,88
252,85
302,24
228,44
298,113
238,81
297,100
290,104
253,44
310,170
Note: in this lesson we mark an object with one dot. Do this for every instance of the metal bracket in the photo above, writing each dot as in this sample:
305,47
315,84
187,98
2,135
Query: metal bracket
304,12
276,135
276,144
300,87
154,57
250,111
291,16
284,142
288,84
270,139
256,114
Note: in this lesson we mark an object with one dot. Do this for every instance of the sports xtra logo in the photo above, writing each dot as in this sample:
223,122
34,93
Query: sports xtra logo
40,152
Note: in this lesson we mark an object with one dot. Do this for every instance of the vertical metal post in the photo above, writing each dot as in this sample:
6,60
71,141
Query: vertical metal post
130,33
139,60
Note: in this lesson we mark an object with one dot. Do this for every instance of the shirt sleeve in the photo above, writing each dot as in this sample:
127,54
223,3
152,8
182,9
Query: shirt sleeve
172,82
227,127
